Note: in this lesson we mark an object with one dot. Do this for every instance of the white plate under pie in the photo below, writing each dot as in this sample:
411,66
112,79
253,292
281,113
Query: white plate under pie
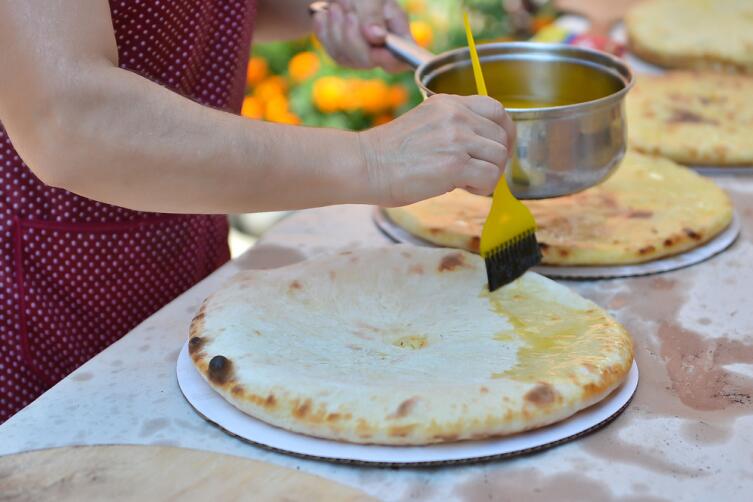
723,170
213,407
691,257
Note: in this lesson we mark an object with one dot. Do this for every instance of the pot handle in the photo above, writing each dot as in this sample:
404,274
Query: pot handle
402,48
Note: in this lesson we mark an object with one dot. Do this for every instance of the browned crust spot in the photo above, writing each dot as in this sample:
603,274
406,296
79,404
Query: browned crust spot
563,252
640,214
302,410
405,408
692,234
543,246
237,390
483,390
680,116
448,438
401,430
646,250
451,262
416,269
220,370
195,344
474,244
607,378
591,368
435,231
363,429
295,285
197,323
541,395
269,402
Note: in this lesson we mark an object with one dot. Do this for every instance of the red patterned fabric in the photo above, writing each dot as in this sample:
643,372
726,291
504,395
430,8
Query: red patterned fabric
75,274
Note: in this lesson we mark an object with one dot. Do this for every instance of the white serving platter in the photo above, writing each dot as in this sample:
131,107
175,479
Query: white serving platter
213,407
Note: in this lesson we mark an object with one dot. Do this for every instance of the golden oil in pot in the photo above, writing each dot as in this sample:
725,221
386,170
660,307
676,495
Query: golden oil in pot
522,84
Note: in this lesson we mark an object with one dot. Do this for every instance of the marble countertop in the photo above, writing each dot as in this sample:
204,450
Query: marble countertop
687,435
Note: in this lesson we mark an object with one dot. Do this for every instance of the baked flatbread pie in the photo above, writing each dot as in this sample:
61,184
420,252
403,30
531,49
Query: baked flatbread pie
650,208
699,34
693,118
405,346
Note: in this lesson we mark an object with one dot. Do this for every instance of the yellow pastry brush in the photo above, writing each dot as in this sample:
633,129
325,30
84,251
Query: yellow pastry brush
508,239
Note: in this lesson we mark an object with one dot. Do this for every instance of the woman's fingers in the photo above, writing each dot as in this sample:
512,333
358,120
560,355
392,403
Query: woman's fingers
492,110
488,150
354,46
353,32
479,177
335,23
396,19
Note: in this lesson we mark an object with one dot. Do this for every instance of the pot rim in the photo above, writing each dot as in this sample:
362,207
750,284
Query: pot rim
600,61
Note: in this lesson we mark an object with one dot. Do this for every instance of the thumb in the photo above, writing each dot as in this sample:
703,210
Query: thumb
371,17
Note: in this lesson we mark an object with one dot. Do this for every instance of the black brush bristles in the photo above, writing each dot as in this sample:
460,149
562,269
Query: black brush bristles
511,260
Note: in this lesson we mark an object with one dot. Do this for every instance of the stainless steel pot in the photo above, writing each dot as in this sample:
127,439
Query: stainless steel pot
572,144
567,103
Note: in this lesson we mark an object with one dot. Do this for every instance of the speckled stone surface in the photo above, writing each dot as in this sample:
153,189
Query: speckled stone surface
687,435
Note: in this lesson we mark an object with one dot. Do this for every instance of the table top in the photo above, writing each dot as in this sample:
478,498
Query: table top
688,432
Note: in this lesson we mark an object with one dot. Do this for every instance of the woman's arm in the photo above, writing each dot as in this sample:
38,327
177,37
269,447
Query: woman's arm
83,124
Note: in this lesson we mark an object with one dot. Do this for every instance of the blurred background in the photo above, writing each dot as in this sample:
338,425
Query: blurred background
297,83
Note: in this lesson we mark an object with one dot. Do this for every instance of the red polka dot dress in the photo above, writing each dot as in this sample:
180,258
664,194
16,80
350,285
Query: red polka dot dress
76,274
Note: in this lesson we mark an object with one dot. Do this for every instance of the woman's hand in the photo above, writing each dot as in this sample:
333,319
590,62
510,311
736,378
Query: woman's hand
353,32
445,143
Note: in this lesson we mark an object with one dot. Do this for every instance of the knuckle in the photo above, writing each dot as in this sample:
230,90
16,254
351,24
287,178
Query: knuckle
457,158
495,109
455,135
501,155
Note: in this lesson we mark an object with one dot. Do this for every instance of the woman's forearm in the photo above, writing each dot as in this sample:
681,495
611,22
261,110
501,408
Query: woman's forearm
119,138
82,123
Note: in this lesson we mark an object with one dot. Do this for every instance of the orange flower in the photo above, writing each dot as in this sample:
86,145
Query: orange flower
373,96
270,87
288,118
540,22
303,66
256,71
252,108
422,33
397,96
350,101
382,119
276,108
328,93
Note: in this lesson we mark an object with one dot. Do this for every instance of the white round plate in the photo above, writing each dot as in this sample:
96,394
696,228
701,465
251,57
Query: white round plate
213,407
723,170
682,260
